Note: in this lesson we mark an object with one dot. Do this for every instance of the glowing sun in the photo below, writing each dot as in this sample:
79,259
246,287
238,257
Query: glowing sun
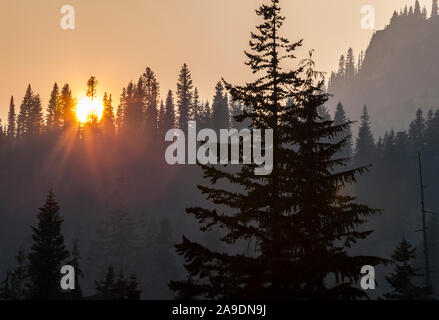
87,108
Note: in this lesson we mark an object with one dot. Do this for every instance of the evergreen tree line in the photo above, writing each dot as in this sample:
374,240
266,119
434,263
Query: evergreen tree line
140,109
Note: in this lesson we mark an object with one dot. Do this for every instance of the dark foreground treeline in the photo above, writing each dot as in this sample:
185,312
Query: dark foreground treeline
119,208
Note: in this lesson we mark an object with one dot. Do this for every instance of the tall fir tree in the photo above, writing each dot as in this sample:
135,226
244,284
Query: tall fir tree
342,67
340,119
92,84
151,87
47,253
434,8
107,120
417,12
161,121
36,121
184,96
12,128
300,225
417,130
402,280
197,107
54,112
169,117
350,64
220,111
365,145
121,110
23,116
68,105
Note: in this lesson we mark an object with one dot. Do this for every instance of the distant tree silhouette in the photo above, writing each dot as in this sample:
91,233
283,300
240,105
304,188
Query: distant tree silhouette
117,288
197,107
75,257
121,109
402,280
434,9
161,120
340,119
68,105
342,67
350,64
220,111
14,286
184,96
134,114
107,120
47,253
151,96
11,129
417,11
23,121
294,216
54,112
92,84
35,119
169,117
417,130
365,145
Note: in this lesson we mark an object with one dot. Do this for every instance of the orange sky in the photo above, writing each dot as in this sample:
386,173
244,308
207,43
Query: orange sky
116,40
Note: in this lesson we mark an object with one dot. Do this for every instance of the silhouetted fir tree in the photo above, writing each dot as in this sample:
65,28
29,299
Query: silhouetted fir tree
54,112
342,67
47,253
197,106
402,280
220,111
300,224
410,11
340,119
365,145
75,257
23,116
36,121
14,285
92,84
417,11
107,120
161,121
417,131
350,64
121,109
132,290
169,118
151,96
11,129
105,288
67,104
434,9
134,115
184,97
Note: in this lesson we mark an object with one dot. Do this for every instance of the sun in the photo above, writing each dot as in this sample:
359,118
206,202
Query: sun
87,108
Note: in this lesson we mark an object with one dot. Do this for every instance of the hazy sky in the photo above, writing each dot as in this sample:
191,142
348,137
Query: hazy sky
115,40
